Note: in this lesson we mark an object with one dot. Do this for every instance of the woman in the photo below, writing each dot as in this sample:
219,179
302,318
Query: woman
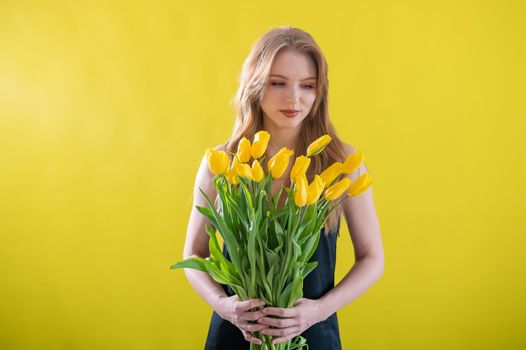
283,90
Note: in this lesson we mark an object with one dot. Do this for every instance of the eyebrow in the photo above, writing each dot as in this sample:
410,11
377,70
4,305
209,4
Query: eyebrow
284,77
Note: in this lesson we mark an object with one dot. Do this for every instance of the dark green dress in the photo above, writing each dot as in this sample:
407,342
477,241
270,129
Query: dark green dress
223,335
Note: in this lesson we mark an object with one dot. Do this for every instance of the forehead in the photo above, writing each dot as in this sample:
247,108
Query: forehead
293,64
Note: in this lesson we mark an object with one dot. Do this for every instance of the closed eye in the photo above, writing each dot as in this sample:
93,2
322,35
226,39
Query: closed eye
308,86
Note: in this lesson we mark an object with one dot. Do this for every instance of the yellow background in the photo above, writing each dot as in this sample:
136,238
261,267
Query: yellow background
106,109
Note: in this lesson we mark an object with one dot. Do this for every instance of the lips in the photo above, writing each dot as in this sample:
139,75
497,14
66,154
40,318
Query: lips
289,113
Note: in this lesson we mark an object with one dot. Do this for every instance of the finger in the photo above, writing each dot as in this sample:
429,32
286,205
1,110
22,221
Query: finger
250,338
251,316
277,322
248,305
279,332
277,311
251,327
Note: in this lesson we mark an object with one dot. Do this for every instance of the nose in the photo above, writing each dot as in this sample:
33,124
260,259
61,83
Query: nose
293,95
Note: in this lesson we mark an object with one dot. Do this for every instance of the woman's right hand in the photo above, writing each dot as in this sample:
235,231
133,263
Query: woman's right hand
237,312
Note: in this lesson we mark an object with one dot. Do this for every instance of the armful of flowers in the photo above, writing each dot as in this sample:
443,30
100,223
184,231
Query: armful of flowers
269,247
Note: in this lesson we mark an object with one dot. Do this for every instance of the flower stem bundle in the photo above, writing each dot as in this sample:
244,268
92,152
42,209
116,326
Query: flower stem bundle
269,247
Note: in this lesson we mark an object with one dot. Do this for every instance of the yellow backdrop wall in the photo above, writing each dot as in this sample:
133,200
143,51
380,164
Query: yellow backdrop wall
106,108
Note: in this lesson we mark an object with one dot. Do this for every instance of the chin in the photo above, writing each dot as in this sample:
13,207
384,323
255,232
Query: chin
289,123
285,123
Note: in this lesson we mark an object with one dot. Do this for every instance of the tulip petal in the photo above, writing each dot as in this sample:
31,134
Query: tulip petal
362,183
259,146
300,195
318,145
331,173
299,168
244,150
257,171
352,162
336,190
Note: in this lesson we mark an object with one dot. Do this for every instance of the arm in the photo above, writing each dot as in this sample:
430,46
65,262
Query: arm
196,244
360,215
362,221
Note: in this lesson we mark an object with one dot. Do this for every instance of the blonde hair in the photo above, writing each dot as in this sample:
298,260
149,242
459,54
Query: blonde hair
252,82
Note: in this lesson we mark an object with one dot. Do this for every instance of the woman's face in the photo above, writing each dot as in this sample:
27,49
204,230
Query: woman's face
291,86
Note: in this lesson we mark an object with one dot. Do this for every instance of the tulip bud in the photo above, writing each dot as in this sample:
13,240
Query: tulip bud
315,189
337,189
244,150
362,183
232,173
300,167
331,173
259,146
279,163
218,161
352,162
318,145
257,171
300,195
244,170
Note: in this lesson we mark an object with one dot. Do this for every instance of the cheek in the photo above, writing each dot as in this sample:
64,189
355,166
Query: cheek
272,96
310,98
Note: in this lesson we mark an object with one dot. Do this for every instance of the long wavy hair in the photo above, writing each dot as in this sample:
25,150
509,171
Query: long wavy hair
253,80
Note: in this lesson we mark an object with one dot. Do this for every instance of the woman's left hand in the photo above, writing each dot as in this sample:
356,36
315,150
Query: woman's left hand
295,320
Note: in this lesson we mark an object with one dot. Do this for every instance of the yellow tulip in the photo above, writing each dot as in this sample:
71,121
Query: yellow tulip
257,171
318,145
259,146
244,150
331,173
232,173
232,177
315,189
300,195
299,168
244,170
337,189
362,183
279,163
218,161
352,162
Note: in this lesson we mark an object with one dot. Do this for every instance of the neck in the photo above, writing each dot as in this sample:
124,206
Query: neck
281,138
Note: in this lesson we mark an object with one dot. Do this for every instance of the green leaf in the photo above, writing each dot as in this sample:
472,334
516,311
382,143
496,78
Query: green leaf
191,263
215,252
247,195
251,251
309,267
228,236
283,298
270,276
299,343
240,213
297,286
221,276
208,213
311,245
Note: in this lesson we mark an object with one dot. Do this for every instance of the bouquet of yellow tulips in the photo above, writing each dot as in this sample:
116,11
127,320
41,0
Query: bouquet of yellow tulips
269,247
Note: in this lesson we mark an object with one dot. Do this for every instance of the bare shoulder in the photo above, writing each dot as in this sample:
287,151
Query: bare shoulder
204,178
349,149
219,147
